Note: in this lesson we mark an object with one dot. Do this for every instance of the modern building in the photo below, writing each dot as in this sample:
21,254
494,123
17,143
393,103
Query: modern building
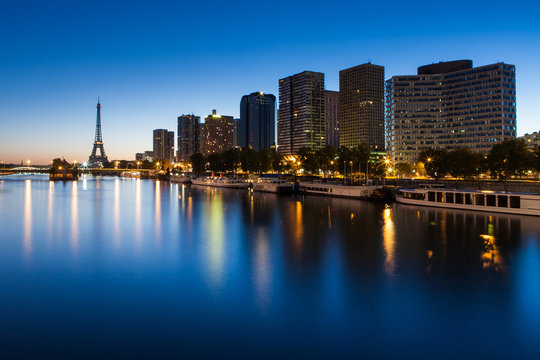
450,105
219,133
190,137
331,117
257,120
301,112
163,145
236,132
361,106
148,155
532,140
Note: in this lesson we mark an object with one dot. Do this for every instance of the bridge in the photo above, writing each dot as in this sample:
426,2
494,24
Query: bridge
82,170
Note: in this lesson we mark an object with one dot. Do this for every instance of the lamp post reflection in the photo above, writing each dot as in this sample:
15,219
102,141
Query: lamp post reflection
27,224
389,242
117,213
74,216
216,240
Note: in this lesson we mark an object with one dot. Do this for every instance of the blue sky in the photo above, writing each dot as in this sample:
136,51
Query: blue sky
152,61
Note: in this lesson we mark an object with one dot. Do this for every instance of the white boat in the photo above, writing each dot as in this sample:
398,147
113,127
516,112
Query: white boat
348,191
130,174
221,182
480,200
182,179
278,186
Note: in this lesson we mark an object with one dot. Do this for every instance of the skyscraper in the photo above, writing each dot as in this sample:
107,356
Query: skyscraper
219,132
257,120
301,112
361,106
163,145
190,137
450,105
331,117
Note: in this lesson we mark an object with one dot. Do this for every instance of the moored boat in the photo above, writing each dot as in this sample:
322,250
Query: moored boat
366,192
182,179
278,186
221,182
479,200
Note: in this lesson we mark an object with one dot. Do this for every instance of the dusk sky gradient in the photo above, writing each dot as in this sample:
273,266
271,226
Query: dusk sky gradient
150,62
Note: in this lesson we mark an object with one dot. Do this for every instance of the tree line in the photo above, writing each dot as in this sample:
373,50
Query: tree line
507,159
324,161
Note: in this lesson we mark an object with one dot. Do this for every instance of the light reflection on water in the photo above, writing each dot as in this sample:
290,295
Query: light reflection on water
291,272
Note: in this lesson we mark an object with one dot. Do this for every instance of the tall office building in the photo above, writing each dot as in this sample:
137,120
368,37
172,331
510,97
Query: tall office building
219,133
361,106
163,145
331,117
450,105
301,112
236,133
257,120
190,137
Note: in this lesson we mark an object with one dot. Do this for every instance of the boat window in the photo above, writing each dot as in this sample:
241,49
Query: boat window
468,199
419,196
450,197
491,200
440,197
515,202
479,199
459,198
503,200
431,196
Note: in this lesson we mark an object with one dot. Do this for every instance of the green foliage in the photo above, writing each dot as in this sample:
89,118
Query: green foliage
509,158
435,162
463,163
198,163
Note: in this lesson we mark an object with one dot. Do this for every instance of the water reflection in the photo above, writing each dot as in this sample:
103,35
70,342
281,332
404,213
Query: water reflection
27,224
157,212
74,216
300,263
216,236
50,211
389,242
262,268
116,213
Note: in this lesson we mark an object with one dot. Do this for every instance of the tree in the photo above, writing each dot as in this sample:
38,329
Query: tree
464,163
509,158
435,162
309,160
326,156
198,163
249,159
361,155
276,160
404,169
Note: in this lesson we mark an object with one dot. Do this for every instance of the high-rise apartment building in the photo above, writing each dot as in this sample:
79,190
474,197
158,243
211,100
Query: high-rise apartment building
532,140
219,133
190,137
257,120
361,106
450,105
301,112
331,117
163,145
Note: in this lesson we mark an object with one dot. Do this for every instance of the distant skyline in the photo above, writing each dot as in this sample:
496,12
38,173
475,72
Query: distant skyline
150,62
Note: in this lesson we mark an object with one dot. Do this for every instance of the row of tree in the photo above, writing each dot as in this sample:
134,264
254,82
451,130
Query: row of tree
507,159
326,160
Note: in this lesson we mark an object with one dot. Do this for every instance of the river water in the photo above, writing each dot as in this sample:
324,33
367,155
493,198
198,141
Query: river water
116,267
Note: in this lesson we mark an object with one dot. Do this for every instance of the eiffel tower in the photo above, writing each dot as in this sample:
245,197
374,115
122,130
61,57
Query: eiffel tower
98,142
